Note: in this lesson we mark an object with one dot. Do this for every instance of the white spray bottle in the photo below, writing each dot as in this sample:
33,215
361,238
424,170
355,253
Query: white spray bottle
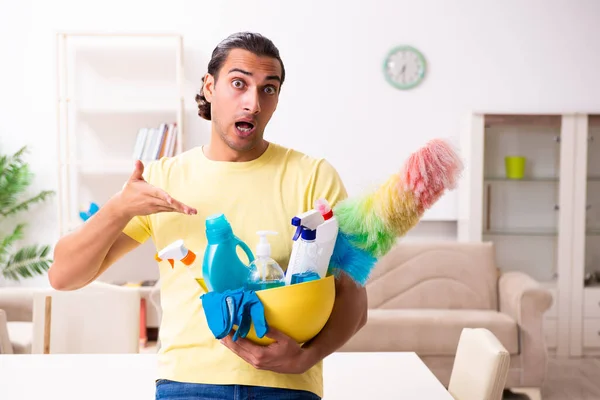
327,234
177,251
305,251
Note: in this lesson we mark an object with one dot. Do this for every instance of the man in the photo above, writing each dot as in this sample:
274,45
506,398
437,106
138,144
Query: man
258,186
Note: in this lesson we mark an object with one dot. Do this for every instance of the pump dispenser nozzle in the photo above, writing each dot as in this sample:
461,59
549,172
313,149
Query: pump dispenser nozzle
263,248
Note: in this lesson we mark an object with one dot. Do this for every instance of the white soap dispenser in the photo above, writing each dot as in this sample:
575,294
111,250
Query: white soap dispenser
265,273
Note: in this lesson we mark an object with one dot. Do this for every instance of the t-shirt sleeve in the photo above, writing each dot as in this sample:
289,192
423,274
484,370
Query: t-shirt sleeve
328,185
139,227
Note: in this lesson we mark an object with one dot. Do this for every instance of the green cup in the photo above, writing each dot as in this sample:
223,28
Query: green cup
515,167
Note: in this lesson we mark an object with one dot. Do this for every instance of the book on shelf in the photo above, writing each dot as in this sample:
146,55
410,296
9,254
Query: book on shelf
153,143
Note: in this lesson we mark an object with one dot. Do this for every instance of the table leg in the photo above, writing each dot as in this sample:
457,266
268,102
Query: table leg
143,332
47,324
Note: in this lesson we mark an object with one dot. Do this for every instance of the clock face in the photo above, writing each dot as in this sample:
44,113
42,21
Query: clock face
404,67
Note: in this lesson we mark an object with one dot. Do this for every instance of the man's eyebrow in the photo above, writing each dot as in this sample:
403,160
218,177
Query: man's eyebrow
274,78
269,78
241,71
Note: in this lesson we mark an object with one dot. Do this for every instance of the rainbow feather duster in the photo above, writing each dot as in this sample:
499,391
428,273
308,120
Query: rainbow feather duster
369,226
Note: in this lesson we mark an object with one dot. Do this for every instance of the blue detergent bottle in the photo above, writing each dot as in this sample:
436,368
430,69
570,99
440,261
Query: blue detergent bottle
222,269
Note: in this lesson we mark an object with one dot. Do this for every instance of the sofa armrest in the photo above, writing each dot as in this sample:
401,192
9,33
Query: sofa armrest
5,344
17,303
522,297
526,301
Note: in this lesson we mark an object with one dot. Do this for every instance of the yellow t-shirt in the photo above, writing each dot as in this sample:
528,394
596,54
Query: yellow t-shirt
263,194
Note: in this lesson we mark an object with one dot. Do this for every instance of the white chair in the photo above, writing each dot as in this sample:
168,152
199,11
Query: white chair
16,328
480,368
99,318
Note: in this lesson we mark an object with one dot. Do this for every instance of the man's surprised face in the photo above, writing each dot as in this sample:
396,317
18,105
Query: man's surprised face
244,98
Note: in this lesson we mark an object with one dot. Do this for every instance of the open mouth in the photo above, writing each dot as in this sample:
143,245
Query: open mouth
244,128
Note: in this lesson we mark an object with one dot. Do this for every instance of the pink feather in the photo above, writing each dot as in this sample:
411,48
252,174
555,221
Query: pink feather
430,171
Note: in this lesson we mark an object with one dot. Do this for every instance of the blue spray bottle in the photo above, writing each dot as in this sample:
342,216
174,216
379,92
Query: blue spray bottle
222,269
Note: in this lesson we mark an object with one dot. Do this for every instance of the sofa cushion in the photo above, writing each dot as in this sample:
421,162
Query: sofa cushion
445,275
21,336
430,332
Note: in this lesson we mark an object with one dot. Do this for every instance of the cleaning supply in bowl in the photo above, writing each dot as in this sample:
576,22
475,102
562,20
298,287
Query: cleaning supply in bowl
178,251
265,273
304,277
327,233
231,308
222,269
305,250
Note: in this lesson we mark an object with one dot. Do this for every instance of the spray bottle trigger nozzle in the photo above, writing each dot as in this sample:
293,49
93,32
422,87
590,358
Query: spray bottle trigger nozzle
170,260
298,232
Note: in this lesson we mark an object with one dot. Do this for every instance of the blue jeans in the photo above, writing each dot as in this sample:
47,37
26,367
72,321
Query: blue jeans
171,390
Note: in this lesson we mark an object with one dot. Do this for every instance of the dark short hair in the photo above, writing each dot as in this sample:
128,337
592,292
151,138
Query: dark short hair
252,42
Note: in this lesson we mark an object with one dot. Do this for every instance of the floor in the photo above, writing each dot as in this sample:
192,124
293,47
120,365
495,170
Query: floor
577,379
572,379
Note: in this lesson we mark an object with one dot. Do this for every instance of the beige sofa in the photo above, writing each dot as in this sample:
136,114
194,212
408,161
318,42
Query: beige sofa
422,295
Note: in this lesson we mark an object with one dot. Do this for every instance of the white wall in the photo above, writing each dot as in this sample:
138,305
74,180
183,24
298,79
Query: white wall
486,55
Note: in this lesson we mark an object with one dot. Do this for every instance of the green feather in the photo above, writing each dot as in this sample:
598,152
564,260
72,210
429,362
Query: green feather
365,229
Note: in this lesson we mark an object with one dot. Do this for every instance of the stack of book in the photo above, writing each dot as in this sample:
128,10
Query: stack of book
155,143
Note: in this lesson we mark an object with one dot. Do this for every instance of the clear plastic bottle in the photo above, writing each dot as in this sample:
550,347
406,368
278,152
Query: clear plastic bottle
265,272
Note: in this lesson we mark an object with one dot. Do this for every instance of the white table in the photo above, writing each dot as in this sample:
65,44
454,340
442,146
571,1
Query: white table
389,376
131,377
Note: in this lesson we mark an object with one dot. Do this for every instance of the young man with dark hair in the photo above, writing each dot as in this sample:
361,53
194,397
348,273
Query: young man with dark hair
257,185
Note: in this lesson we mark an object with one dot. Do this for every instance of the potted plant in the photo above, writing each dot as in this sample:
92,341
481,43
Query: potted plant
16,261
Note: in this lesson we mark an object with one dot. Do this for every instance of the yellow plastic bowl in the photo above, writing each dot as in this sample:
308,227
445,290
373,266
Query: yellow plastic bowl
300,311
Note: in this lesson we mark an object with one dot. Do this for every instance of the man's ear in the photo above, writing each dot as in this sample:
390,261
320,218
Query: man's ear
209,86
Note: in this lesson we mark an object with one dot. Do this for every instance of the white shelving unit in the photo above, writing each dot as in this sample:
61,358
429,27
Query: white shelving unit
547,223
585,296
110,86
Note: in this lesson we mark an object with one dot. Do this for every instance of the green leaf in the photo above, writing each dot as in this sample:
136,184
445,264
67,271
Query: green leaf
16,235
15,179
7,242
24,206
27,262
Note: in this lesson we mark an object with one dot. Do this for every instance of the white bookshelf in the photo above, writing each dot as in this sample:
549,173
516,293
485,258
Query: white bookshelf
546,224
109,86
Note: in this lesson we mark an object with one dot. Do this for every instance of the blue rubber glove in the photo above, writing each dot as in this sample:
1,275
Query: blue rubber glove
234,307
250,310
220,310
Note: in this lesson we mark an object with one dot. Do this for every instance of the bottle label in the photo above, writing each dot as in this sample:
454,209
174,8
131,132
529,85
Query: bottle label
309,257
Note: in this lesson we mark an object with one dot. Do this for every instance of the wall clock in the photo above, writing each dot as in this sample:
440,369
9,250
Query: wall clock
404,67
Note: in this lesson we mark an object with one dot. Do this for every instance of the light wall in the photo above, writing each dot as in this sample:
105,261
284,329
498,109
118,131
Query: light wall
511,56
